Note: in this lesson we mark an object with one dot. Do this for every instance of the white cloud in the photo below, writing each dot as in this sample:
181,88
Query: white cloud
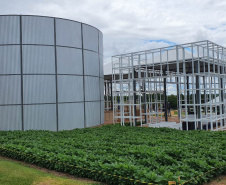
127,25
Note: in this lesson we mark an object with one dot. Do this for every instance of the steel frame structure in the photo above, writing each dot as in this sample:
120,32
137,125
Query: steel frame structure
198,71
108,95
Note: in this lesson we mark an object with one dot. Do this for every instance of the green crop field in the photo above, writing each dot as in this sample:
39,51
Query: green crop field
123,155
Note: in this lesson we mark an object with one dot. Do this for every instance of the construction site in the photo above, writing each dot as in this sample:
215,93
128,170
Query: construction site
137,89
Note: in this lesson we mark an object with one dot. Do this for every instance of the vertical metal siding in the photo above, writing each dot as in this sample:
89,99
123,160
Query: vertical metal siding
71,115
92,86
38,60
102,88
39,73
70,88
10,89
39,89
69,61
37,30
101,66
9,30
101,43
40,117
92,113
90,38
68,33
10,59
102,112
10,117
91,63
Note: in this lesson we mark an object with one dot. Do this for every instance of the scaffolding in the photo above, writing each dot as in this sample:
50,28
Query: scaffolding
108,95
197,71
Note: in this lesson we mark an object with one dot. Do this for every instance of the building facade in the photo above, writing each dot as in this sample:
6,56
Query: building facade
51,74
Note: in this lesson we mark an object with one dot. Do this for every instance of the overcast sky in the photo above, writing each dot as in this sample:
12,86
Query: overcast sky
132,25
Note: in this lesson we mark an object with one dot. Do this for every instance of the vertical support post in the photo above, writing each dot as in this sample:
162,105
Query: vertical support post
108,94
111,97
204,86
222,95
83,72
134,98
197,95
178,83
165,97
188,95
145,106
105,94
178,98
21,75
57,123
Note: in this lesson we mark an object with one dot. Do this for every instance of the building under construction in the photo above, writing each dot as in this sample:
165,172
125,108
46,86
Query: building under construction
139,82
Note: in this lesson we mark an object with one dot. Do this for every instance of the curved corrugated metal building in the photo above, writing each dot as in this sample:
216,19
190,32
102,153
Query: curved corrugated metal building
51,74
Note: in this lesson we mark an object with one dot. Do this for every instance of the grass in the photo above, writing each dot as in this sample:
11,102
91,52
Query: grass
12,173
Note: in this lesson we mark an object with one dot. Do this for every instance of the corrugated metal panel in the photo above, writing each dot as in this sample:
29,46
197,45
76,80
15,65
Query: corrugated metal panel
92,114
40,117
71,116
9,59
101,66
69,61
68,33
38,59
10,89
10,117
102,88
102,112
92,88
37,30
90,38
101,43
9,29
91,63
39,89
70,88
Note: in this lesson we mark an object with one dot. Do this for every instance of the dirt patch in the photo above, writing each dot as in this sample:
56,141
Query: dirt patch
221,180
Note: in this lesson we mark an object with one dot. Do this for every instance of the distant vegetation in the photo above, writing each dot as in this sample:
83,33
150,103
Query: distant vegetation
123,155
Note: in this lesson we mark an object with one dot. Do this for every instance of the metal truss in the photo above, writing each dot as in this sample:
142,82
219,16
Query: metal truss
198,72
108,95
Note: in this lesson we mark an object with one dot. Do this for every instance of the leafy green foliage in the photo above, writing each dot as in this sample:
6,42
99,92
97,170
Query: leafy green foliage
155,155
173,101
